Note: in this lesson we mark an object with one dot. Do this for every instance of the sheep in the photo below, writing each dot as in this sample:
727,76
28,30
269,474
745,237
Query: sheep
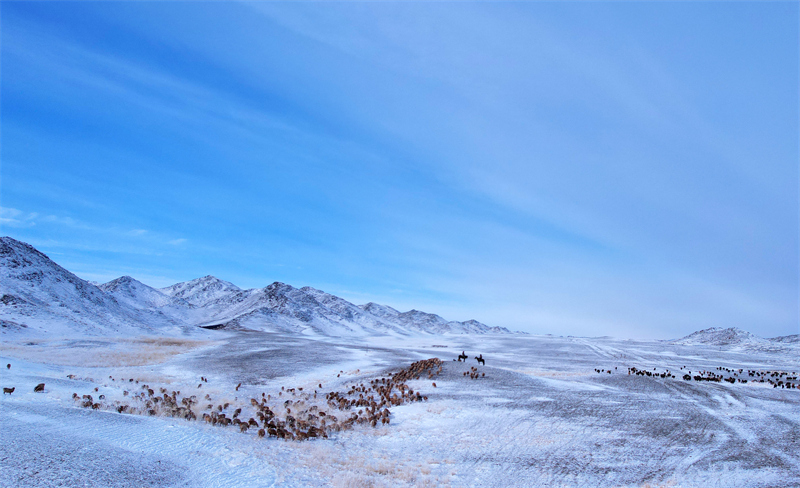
38,388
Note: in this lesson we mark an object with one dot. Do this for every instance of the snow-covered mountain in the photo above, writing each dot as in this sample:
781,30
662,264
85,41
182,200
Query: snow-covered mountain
138,295
282,307
717,336
736,338
201,291
39,295
423,321
35,290
428,322
384,312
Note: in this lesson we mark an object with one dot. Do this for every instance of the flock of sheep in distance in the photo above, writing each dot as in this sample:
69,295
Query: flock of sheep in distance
778,379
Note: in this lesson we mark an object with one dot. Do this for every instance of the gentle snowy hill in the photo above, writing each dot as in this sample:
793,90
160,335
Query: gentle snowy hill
41,296
737,339
717,336
790,339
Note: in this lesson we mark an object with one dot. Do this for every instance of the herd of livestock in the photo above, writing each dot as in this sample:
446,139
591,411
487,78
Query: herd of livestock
295,414
778,379
292,413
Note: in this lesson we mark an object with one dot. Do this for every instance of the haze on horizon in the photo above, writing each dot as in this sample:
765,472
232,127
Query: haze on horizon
596,168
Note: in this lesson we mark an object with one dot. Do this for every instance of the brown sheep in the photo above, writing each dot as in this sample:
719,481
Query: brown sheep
38,388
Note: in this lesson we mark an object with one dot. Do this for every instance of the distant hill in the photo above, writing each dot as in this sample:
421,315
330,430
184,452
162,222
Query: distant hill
735,337
789,339
719,337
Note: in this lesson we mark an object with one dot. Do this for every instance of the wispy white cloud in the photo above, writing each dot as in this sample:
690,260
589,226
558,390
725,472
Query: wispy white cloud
152,89
532,172
110,238
66,221
13,217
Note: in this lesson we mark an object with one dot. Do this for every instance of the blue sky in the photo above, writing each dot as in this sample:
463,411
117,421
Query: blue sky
621,168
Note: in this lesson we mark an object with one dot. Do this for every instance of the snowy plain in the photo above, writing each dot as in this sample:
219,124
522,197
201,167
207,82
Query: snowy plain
543,411
541,415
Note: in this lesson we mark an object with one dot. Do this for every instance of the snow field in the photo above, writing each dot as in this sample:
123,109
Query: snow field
540,417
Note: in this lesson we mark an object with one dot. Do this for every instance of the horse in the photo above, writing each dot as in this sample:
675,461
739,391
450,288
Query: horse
462,357
480,359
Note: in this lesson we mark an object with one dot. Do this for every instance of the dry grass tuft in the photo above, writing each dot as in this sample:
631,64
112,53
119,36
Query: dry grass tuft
101,352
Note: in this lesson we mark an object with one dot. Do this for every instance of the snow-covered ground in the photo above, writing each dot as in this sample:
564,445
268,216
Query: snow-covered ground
541,415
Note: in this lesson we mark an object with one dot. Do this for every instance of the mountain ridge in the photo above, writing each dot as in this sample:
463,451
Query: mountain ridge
202,302
41,296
